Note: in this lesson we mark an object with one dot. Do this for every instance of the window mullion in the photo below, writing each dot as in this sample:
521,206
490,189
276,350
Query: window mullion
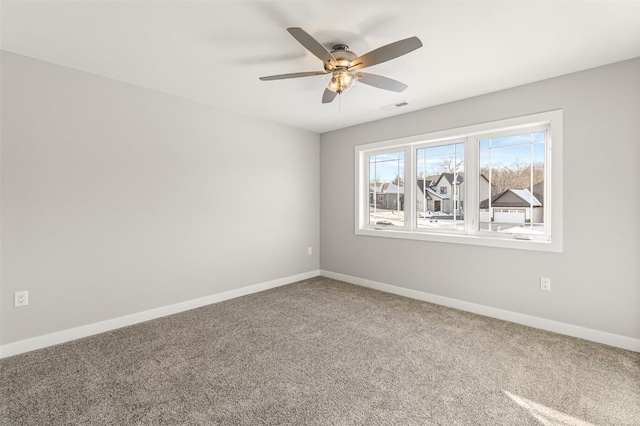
472,185
361,175
531,160
410,182
546,209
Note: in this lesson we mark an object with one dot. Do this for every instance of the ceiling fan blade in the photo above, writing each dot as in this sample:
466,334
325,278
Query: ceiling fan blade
381,82
386,53
312,45
328,96
292,75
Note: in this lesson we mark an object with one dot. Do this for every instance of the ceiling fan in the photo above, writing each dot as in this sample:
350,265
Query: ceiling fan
344,65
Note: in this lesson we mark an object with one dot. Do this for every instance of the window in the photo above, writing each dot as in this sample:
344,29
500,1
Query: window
506,173
386,188
514,167
435,165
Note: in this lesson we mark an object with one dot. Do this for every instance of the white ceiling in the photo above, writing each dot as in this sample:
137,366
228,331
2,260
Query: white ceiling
214,51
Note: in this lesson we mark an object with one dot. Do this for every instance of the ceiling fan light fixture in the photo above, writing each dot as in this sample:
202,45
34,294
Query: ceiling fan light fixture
342,80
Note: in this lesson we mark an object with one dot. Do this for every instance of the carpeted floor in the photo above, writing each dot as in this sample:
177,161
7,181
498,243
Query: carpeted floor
322,352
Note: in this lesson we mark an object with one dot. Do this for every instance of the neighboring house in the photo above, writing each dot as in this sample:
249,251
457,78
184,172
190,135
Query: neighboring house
445,193
449,185
430,200
515,206
485,188
387,196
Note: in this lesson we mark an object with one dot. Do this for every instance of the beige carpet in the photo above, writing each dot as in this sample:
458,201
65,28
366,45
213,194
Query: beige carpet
321,352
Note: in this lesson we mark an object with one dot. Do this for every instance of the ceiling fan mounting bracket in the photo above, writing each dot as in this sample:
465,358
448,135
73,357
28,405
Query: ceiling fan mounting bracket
340,47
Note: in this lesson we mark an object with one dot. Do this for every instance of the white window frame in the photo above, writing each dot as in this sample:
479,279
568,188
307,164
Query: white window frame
381,151
551,241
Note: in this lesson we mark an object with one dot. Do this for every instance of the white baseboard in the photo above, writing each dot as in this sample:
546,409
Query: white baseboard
46,340
39,342
610,339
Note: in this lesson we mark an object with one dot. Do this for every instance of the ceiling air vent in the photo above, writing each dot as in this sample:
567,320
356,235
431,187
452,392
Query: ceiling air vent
394,106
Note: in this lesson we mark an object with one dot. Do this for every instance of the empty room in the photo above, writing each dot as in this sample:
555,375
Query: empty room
319,212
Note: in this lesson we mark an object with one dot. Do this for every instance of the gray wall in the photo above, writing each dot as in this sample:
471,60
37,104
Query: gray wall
117,199
595,281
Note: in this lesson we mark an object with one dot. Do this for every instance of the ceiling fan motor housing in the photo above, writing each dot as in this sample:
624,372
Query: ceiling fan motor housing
343,56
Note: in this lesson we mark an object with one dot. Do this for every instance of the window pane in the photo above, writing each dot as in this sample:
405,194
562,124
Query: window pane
386,189
511,190
440,188
522,139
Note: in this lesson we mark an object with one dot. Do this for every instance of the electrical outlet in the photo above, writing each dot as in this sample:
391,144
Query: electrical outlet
545,283
309,251
21,298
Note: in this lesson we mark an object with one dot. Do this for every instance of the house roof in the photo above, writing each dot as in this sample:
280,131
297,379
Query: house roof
431,193
434,194
512,198
422,182
538,190
527,196
433,180
430,180
387,188
449,177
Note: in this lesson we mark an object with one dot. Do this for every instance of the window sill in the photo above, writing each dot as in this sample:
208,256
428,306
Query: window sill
510,242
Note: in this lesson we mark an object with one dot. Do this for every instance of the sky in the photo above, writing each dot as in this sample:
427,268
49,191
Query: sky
497,152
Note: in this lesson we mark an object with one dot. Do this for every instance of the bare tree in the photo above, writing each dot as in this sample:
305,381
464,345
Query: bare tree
516,176
451,165
398,181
